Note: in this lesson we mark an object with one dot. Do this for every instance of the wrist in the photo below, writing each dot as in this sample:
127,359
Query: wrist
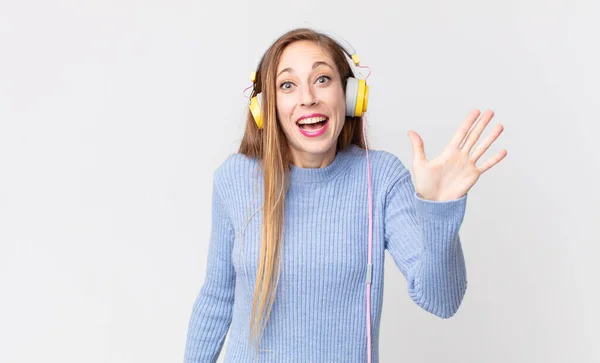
438,198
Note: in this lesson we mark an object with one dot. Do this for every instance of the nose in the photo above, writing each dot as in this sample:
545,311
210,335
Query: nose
307,97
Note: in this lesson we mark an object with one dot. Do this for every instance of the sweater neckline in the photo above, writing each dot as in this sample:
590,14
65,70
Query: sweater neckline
299,175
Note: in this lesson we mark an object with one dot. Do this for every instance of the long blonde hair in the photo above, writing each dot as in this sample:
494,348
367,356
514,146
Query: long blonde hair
270,146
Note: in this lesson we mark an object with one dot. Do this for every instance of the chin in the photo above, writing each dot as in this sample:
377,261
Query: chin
320,144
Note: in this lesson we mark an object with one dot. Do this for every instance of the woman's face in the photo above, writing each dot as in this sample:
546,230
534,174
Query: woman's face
309,90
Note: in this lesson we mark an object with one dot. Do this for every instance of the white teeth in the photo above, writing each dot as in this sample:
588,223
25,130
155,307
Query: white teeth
312,120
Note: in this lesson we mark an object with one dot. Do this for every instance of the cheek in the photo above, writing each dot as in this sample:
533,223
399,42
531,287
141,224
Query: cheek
337,100
284,107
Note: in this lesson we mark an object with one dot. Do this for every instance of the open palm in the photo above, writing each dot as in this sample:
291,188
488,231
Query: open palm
452,174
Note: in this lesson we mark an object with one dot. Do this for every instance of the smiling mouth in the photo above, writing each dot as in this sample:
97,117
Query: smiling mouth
312,123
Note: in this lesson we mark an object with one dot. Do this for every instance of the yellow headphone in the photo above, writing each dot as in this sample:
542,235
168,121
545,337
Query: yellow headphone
357,90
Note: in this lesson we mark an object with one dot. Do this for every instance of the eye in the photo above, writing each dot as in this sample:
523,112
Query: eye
326,78
284,84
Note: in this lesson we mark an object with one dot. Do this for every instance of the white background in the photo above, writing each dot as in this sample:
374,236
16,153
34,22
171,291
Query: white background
114,115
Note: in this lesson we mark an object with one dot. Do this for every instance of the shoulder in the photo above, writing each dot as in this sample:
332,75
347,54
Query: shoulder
384,164
236,168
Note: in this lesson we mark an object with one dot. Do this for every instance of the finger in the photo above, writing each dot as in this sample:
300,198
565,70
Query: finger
485,145
493,161
417,146
477,130
460,134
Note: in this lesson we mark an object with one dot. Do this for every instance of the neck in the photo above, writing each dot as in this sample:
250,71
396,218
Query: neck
303,159
304,176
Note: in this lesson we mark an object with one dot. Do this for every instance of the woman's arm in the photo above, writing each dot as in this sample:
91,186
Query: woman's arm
422,238
212,310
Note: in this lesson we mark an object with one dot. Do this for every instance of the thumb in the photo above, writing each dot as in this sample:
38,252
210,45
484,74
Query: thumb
417,146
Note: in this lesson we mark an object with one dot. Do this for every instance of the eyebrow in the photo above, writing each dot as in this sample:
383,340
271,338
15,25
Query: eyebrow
315,65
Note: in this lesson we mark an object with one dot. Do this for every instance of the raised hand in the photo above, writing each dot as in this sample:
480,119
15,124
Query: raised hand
450,175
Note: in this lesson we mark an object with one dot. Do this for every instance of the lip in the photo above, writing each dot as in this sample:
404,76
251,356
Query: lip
319,132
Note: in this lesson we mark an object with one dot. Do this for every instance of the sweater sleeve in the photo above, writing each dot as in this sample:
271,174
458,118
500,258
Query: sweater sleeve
212,310
422,237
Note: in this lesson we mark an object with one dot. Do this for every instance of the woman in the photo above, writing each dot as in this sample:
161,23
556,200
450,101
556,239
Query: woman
296,255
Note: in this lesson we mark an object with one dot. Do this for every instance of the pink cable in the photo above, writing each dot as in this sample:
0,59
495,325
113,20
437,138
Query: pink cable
369,68
370,243
370,259
244,91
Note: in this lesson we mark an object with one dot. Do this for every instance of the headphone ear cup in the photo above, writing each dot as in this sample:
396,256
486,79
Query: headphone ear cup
357,97
351,93
256,110
362,97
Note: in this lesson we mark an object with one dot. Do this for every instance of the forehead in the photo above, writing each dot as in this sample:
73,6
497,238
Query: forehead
302,54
